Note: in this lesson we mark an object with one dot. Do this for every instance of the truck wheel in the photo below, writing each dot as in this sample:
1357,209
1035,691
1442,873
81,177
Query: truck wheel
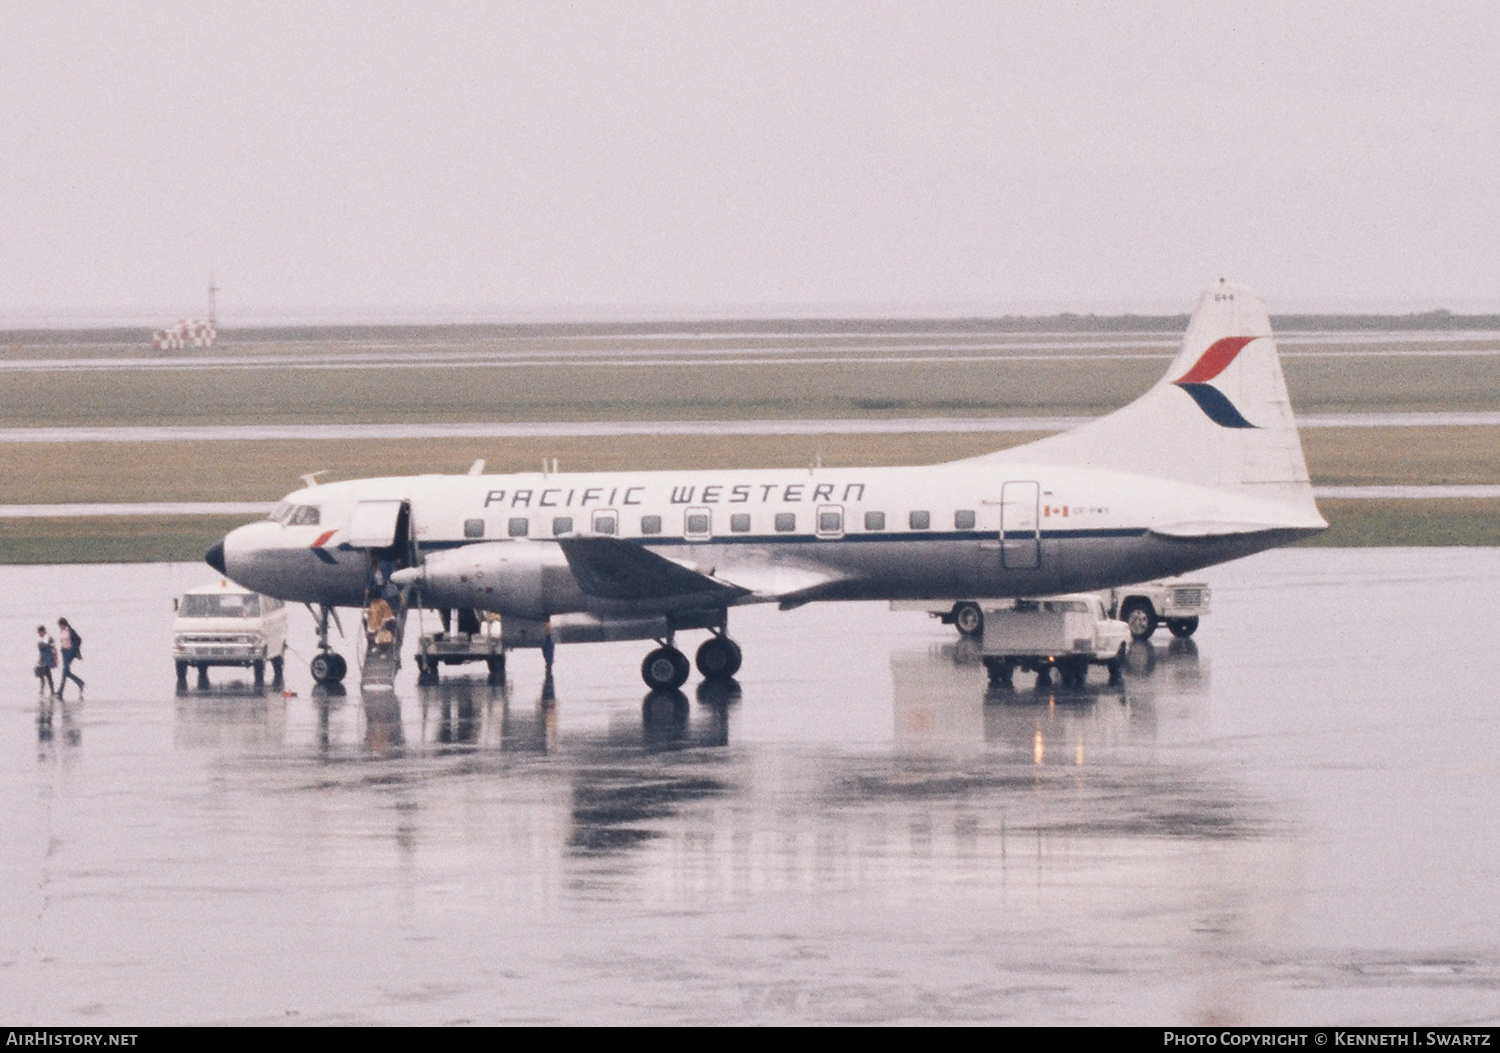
968,619
259,669
1074,671
182,668
1182,628
427,671
1000,670
1139,615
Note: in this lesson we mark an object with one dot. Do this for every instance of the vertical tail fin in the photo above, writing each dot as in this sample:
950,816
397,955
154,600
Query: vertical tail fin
1220,416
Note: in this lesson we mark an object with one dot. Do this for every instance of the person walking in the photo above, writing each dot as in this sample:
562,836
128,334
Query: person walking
72,651
46,661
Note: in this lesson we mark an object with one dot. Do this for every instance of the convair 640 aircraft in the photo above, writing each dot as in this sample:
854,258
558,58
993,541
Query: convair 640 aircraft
1204,467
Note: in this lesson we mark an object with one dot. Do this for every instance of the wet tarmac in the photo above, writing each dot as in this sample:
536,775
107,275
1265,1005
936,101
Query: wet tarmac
1287,818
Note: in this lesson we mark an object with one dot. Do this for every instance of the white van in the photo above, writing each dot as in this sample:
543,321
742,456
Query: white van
224,624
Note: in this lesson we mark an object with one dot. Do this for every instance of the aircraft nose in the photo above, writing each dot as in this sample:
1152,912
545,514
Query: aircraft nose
214,557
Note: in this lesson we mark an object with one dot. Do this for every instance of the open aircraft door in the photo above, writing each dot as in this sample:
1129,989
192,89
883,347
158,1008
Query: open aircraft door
384,528
1020,526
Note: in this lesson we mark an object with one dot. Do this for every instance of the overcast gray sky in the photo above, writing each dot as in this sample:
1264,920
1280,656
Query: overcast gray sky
598,160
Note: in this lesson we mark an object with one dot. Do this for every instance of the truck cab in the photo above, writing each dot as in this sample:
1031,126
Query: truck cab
1173,601
226,625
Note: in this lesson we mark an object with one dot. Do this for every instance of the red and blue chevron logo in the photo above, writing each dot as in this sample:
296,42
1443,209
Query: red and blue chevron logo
1210,364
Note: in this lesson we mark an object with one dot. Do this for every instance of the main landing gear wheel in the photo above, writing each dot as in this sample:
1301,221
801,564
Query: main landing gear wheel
328,667
1140,617
1182,628
968,619
665,669
719,658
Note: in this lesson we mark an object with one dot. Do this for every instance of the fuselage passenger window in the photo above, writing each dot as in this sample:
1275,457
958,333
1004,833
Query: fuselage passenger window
963,519
520,526
473,528
697,523
604,524
874,520
650,524
739,523
920,520
562,525
786,522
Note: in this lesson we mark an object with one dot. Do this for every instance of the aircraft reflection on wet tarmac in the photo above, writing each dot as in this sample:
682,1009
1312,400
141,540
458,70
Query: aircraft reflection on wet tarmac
861,829
940,696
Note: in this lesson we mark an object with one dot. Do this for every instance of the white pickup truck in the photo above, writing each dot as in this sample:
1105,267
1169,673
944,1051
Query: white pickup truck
223,624
1143,607
1067,633
1178,604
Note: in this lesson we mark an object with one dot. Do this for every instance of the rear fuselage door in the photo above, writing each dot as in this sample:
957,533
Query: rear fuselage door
1020,526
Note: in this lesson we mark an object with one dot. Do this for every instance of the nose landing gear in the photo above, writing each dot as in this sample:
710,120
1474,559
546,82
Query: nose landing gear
327,666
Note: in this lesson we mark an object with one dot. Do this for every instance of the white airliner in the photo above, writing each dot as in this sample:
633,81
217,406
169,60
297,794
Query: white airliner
1204,467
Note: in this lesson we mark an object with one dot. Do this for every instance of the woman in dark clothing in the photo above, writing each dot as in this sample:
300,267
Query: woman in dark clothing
46,661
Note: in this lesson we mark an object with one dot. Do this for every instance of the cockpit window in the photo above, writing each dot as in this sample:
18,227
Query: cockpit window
221,605
288,514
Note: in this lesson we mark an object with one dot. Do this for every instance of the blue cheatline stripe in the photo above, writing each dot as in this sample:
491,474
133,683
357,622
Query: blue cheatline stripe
1219,409
809,539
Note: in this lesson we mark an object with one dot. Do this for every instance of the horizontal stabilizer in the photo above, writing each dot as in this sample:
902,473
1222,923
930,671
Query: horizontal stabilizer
1217,528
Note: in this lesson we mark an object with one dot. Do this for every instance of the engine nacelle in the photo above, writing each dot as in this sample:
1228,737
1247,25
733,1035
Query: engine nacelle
523,579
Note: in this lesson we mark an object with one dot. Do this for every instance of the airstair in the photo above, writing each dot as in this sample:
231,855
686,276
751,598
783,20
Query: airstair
385,626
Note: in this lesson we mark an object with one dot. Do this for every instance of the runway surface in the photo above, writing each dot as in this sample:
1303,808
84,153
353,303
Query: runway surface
710,350
608,429
1288,818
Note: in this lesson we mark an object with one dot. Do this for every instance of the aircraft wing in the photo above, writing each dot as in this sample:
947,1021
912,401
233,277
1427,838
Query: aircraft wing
613,569
618,570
